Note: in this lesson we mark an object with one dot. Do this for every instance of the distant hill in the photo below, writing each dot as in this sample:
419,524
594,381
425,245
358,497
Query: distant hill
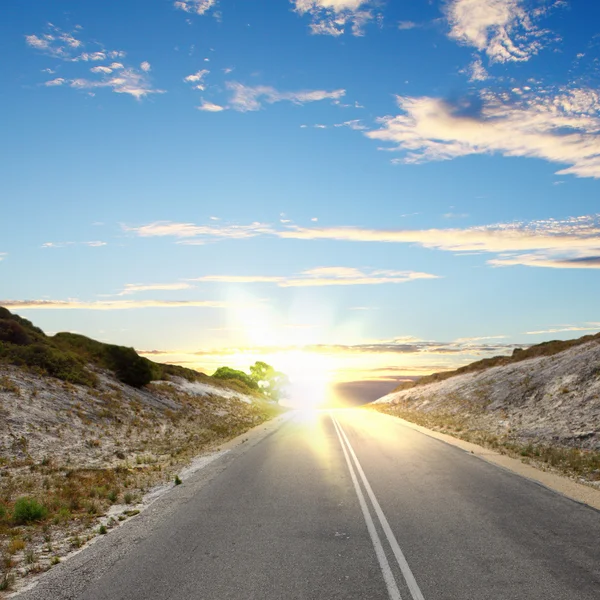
541,403
544,349
73,357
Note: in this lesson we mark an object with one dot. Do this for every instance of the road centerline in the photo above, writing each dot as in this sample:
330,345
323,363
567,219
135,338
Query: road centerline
411,582
388,576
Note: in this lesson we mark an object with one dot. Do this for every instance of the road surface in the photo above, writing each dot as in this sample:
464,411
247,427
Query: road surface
346,504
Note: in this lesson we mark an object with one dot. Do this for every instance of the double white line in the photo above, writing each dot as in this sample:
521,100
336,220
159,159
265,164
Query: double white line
388,575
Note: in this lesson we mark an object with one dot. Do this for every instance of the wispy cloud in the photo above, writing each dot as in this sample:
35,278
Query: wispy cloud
506,30
108,304
331,17
127,81
354,124
197,79
197,7
401,345
325,276
476,71
405,25
185,232
3,255
210,107
136,288
560,127
54,82
92,244
568,243
64,46
248,98
566,328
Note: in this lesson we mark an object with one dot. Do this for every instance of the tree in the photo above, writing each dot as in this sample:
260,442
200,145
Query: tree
270,381
229,373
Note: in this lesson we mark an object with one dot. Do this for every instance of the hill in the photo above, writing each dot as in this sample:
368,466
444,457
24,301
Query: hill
542,404
87,429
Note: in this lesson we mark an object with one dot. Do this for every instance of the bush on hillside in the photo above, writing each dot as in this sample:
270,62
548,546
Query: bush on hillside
27,510
13,333
48,360
229,373
129,366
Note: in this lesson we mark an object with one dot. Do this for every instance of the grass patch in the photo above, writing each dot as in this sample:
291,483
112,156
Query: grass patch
27,510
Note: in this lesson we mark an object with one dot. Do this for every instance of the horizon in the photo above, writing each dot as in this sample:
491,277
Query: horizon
350,190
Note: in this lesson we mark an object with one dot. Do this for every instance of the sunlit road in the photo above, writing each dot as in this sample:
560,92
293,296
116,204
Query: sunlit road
350,505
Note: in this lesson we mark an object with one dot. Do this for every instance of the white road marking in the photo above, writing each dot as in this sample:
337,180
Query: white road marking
388,576
411,582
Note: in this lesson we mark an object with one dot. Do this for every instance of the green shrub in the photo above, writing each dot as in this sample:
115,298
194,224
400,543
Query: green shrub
13,333
27,510
129,366
49,360
229,373
178,480
102,530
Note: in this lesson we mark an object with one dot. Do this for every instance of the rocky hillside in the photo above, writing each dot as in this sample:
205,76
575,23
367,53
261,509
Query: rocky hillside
87,429
544,406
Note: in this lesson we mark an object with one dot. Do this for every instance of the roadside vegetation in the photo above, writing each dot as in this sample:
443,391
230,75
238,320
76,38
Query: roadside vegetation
580,463
541,405
89,428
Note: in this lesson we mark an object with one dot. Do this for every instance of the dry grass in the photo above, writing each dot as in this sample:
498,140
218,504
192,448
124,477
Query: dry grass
570,461
80,452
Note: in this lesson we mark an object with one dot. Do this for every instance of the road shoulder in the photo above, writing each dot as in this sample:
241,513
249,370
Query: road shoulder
558,483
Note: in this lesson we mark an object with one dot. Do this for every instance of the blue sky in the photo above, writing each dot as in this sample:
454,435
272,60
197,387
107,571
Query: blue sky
366,188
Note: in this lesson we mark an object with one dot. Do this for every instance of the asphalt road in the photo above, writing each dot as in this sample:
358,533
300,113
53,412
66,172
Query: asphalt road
344,505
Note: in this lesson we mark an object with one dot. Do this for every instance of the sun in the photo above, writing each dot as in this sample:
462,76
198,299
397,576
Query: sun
310,379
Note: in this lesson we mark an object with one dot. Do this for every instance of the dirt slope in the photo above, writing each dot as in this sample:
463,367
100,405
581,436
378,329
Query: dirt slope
535,407
87,455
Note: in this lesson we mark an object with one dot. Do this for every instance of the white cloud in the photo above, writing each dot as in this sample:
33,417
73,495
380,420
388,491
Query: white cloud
94,244
569,243
127,81
61,45
197,78
331,17
324,276
90,56
563,244
3,255
210,107
355,124
565,328
198,7
107,304
506,30
476,71
135,288
560,127
404,25
101,69
187,231
246,98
